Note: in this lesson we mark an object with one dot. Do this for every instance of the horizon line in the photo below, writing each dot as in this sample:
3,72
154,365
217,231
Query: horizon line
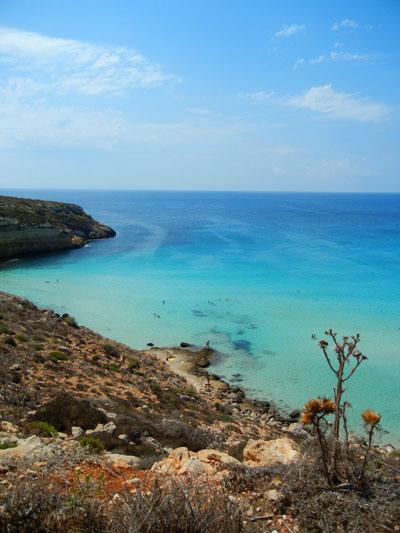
236,191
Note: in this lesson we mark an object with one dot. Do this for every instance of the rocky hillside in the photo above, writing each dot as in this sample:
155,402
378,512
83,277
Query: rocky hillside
33,226
96,436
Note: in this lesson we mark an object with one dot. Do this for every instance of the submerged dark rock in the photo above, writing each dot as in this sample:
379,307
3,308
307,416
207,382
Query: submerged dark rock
34,226
242,344
199,313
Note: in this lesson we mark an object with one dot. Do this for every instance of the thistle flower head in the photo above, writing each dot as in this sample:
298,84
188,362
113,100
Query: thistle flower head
306,418
313,406
323,343
328,406
371,418
317,406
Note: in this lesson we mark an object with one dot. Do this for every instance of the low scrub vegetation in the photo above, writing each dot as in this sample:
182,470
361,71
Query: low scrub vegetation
59,356
46,429
93,443
177,507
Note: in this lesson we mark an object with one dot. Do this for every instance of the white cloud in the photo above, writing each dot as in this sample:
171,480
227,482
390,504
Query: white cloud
64,65
299,63
345,24
65,126
334,56
257,96
288,31
341,56
334,104
44,126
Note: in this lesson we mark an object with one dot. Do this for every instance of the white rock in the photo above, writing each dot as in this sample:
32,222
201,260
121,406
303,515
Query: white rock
109,427
24,448
123,461
76,432
272,495
182,461
194,467
297,429
268,452
8,427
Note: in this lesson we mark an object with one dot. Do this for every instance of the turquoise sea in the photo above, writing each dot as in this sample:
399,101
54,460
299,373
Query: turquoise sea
255,273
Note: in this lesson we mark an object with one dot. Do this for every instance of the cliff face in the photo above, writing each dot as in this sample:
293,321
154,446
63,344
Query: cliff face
32,226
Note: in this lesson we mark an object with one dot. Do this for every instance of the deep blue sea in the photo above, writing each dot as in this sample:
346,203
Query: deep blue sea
255,273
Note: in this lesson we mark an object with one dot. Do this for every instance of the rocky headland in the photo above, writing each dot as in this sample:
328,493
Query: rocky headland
34,226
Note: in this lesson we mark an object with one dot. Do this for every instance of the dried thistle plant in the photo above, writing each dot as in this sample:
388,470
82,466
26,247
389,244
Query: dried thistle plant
343,360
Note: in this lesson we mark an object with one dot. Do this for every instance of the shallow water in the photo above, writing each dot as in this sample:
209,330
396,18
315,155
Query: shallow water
256,274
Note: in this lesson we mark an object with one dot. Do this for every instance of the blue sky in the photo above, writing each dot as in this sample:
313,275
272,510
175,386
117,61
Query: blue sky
238,95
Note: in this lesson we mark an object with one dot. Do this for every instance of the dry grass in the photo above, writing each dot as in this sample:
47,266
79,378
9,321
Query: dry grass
174,507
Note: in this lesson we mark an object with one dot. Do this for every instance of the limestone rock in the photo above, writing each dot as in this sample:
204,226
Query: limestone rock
24,448
265,453
76,432
8,427
107,428
297,429
182,461
123,461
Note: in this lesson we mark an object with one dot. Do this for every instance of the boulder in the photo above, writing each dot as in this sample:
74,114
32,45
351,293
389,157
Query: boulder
265,453
76,432
295,415
182,461
8,427
123,461
107,428
297,430
24,448
193,467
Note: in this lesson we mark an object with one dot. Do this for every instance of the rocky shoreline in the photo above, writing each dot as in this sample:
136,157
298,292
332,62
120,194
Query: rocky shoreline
36,226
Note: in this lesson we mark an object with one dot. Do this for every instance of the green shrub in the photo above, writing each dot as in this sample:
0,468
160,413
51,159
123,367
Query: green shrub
21,338
134,364
45,428
59,356
3,328
155,388
6,444
93,443
70,321
112,366
111,350
10,341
